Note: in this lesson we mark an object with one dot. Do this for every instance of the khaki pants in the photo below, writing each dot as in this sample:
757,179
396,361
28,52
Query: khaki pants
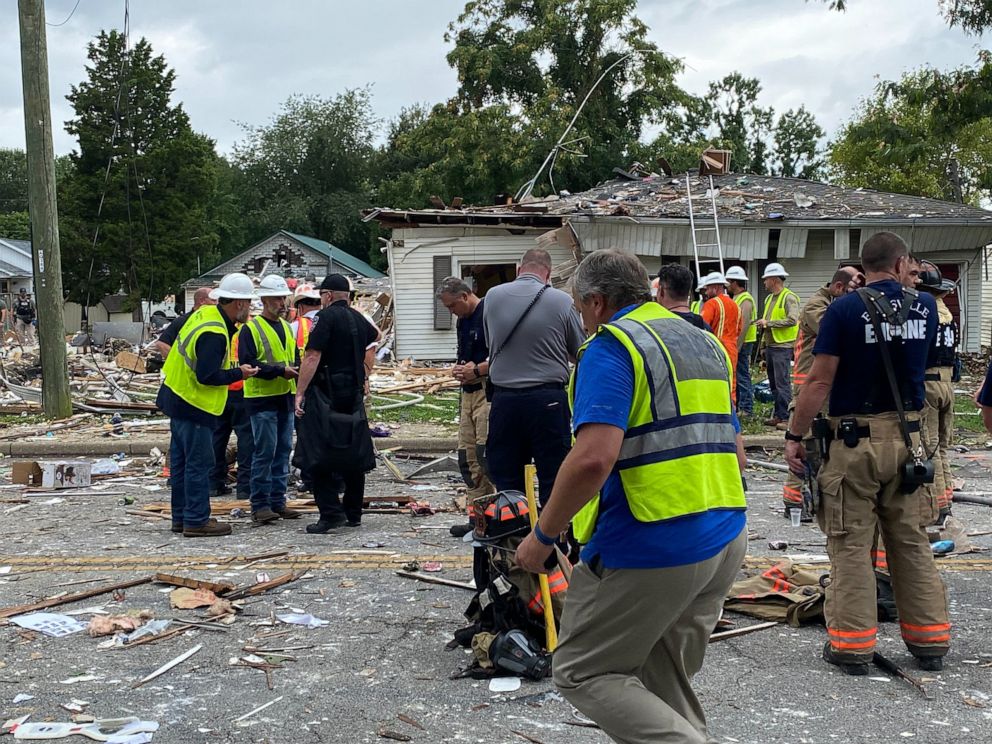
792,491
473,429
938,432
860,494
632,640
25,332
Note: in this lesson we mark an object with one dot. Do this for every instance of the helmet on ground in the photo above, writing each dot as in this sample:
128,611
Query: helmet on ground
273,285
714,277
235,286
737,273
775,269
507,513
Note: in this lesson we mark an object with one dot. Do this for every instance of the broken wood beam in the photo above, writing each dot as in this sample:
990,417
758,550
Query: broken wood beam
69,598
216,587
742,631
253,589
437,580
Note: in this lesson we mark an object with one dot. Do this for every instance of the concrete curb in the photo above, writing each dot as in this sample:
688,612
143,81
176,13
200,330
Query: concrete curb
141,447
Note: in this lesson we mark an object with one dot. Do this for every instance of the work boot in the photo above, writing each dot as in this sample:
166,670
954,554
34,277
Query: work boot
177,526
353,523
930,663
773,421
323,526
460,530
854,668
942,517
264,515
213,528
221,490
287,513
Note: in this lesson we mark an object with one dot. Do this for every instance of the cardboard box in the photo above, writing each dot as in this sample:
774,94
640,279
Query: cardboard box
55,474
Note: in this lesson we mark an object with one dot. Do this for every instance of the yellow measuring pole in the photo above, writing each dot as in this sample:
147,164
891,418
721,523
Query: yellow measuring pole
550,632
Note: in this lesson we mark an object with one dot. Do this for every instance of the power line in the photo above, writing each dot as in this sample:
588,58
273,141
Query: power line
71,13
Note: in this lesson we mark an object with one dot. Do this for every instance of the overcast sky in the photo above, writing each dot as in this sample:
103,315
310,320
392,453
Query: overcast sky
236,61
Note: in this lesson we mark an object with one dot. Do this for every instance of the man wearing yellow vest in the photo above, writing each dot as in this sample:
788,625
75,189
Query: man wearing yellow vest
737,287
266,341
779,326
653,484
193,396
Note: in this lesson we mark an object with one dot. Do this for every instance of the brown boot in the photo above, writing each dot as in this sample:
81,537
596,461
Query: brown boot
287,513
213,528
264,515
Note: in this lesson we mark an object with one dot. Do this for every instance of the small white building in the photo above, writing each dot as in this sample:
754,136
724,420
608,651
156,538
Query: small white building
810,227
287,254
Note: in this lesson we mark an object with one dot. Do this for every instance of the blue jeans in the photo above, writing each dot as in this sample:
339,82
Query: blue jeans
745,391
235,418
525,425
190,458
273,432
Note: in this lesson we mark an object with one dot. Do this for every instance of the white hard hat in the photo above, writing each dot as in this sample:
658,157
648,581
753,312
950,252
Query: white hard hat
305,291
234,287
714,277
775,269
273,286
737,273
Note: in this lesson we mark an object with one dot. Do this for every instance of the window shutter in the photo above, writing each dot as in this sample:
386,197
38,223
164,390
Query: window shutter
442,270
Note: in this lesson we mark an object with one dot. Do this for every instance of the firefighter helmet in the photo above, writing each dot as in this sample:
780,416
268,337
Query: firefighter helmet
505,514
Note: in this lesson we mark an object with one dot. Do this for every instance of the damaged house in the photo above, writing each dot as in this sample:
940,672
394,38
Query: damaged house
809,227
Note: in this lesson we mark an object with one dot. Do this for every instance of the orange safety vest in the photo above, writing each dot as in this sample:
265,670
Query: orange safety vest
724,316
303,327
237,384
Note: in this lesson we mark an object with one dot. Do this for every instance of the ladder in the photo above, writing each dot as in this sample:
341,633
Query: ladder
696,231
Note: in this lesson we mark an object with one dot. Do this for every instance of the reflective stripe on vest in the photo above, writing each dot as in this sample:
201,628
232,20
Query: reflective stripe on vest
180,365
789,333
679,453
270,350
557,583
752,330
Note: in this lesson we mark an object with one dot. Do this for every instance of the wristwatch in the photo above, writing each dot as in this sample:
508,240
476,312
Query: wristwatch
790,437
475,371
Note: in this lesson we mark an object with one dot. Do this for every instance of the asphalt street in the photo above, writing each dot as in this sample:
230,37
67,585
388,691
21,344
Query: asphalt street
379,671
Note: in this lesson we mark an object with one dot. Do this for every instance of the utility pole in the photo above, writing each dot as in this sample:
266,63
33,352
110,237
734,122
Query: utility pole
43,208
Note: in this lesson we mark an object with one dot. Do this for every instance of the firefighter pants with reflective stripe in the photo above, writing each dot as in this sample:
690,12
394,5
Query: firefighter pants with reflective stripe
632,640
938,432
473,429
860,493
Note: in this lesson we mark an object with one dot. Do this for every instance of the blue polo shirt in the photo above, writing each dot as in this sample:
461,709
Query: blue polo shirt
846,331
604,392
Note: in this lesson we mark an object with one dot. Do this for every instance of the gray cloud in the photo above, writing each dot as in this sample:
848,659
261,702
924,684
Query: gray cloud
237,61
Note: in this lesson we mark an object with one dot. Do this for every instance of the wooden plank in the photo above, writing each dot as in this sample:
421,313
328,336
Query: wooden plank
437,580
213,586
253,589
68,598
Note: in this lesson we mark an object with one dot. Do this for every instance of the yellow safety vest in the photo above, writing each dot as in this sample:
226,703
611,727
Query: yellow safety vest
696,306
789,333
679,453
270,350
752,330
180,365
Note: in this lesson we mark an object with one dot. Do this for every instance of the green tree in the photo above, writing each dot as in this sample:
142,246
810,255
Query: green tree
308,171
929,134
797,139
13,180
972,16
15,225
742,125
154,176
541,58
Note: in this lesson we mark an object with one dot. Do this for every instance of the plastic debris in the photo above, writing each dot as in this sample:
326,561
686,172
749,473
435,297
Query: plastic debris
504,684
305,619
49,623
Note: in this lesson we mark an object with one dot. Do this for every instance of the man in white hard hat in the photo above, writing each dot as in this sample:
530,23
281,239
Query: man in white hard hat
737,287
723,316
193,396
779,326
266,342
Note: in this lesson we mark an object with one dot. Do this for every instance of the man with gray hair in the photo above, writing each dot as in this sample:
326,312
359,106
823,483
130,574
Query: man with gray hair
533,332
653,490
471,371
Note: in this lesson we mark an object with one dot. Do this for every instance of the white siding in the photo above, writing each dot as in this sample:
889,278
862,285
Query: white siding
842,244
985,275
646,241
792,242
816,267
411,271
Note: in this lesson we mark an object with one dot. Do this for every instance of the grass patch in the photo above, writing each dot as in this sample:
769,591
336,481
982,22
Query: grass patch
435,409
16,419
967,416
754,424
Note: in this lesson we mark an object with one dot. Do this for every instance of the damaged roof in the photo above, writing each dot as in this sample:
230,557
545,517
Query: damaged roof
740,199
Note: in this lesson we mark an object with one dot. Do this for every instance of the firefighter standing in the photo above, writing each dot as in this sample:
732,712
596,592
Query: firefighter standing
865,485
938,412
843,281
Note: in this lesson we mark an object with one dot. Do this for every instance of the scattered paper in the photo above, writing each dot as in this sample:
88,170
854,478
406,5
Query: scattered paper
105,466
306,620
188,599
504,684
21,698
5,569
49,623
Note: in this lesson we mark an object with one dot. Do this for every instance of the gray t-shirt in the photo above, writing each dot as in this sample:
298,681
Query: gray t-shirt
542,346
